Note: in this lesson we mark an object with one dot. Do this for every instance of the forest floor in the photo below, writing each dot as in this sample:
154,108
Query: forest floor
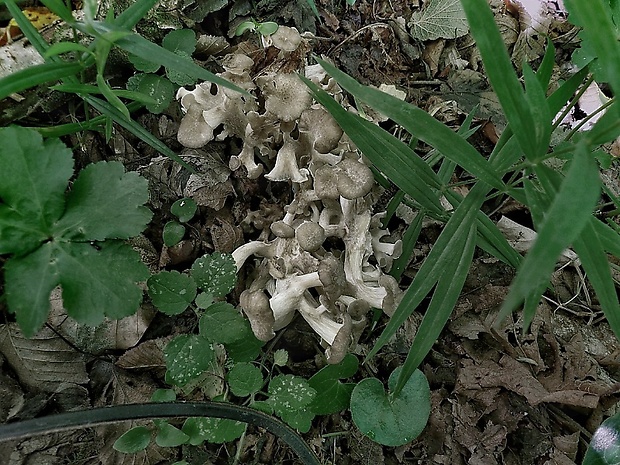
499,395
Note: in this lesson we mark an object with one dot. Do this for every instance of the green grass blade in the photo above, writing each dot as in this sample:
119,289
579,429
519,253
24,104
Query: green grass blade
602,34
595,263
447,246
132,15
35,75
442,303
409,240
539,111
545,70
565,219
420,125
59,8
389,154
501,74
138,45
106,109
609,238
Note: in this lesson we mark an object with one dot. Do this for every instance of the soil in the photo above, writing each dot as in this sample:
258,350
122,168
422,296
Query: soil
500,395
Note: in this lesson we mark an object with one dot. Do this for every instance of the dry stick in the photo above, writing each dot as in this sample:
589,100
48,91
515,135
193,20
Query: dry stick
106,415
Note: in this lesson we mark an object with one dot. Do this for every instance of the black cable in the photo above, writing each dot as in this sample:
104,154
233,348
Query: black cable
116,413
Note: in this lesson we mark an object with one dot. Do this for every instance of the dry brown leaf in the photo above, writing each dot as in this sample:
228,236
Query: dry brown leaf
44,361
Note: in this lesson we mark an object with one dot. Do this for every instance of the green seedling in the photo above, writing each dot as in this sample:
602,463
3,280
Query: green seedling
264,29
184,209
72,238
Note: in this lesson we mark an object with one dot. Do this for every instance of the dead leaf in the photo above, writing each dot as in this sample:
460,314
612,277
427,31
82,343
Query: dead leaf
44,361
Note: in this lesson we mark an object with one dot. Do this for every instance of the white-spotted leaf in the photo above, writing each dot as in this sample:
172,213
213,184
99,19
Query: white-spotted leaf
187,357
215,273
171,291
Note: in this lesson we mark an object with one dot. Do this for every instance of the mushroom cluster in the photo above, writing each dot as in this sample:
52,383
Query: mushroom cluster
325,258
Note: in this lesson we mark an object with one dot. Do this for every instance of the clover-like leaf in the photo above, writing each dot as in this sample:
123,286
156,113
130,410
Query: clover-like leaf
105,202
187,357
215,273
439,19
173,233
171,291
223,323
604,448
184,209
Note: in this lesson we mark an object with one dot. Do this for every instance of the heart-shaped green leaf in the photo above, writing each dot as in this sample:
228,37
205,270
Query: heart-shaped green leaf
392,421
604,448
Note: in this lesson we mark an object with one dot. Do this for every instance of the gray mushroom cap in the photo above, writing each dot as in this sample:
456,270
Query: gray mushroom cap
310,236
255,304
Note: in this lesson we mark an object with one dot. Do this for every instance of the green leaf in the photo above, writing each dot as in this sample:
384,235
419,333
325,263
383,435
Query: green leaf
172,233
502,76
245,349
601,34
184,209
245,379
448,246
180,40
63,47
141,64
204,300
332,395
164,395
387,419
604,448
215,430
35,75
29,281
105,202
289,393
596,265
99,280
565,219
138,45
134,440
215,273
171,291
280,357
447,292
187,357
300,419
180,78
169,436
222,323
439,19
267,28
33,175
